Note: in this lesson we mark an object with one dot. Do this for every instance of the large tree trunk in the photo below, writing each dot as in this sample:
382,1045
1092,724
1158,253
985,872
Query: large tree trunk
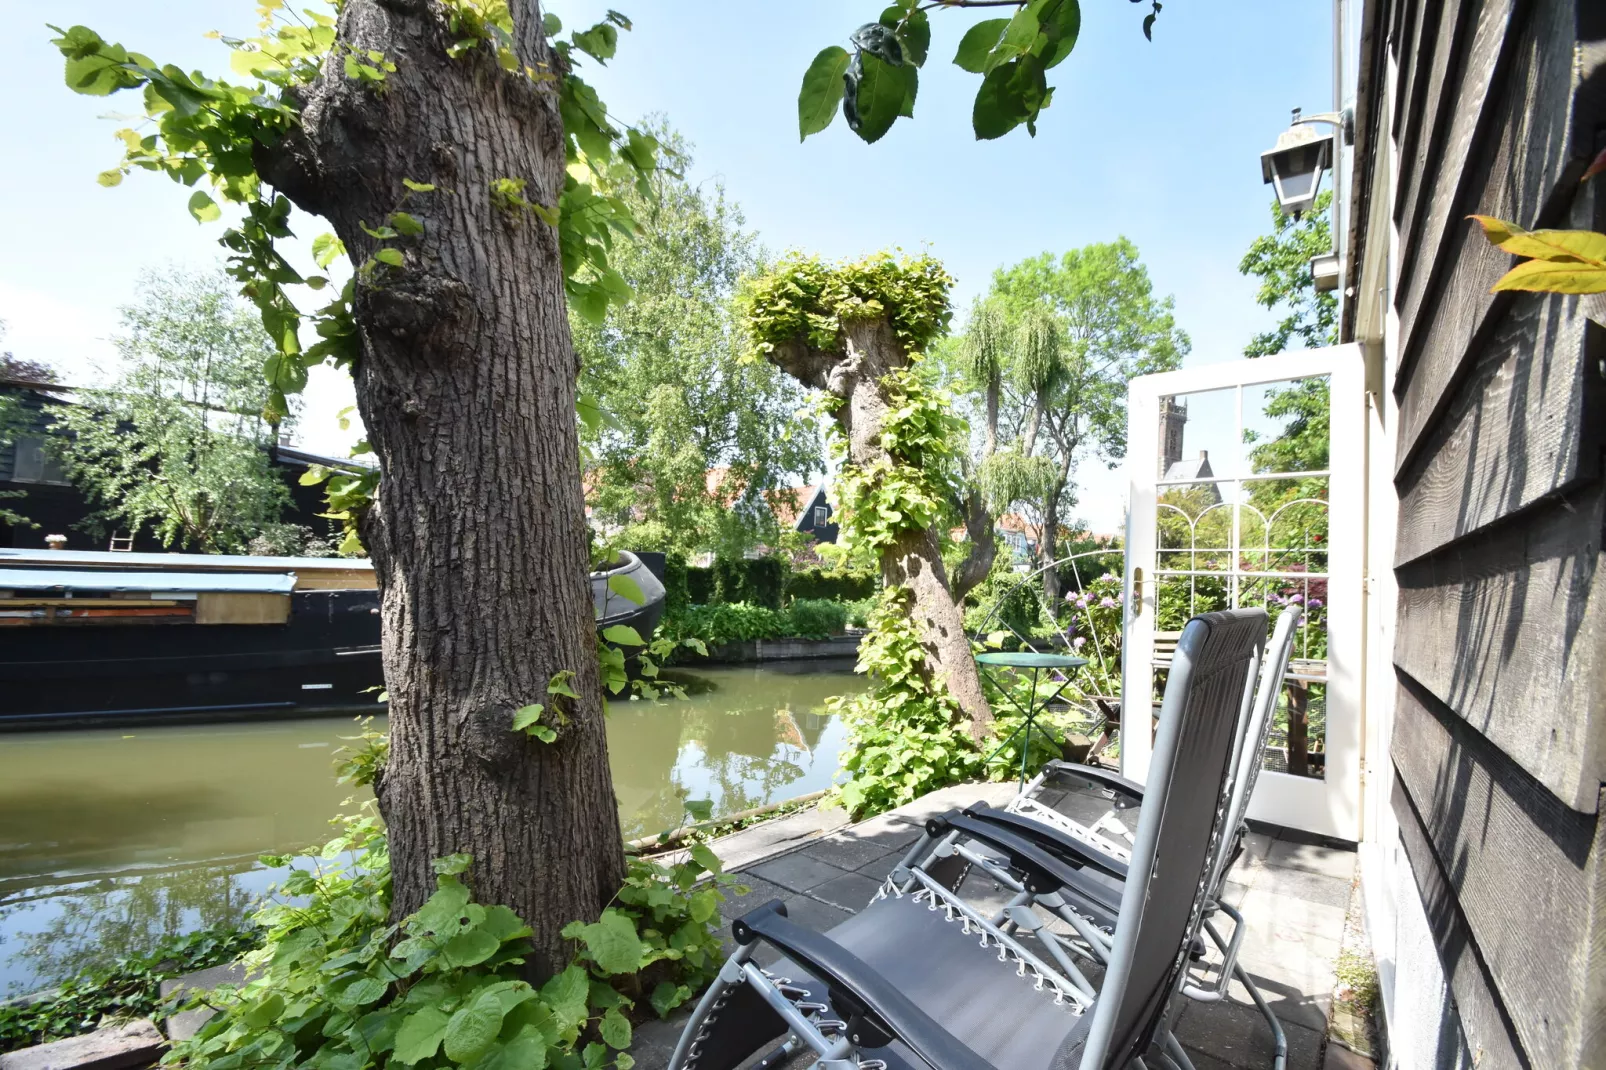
914,560
466,384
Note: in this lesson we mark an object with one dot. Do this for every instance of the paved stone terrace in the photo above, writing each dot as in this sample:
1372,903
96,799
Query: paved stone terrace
1294,898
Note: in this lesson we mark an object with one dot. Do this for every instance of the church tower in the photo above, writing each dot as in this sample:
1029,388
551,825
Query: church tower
1172,417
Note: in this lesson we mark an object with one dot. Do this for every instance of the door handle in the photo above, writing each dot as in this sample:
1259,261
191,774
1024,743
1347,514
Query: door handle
1137,592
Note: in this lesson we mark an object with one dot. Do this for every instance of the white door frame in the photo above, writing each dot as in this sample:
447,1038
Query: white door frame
1330,806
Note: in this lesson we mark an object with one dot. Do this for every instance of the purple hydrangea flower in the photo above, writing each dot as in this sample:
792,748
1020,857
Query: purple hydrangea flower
1081,603
1079,642
1107,602
1314,603
1295,599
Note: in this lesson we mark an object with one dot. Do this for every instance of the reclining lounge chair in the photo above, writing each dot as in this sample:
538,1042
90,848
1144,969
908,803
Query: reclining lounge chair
1089,896
919,979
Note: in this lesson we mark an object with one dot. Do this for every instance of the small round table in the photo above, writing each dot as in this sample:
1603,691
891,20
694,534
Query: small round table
1037,663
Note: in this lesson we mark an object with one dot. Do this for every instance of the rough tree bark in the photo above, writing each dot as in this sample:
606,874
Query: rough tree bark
914,560
466,384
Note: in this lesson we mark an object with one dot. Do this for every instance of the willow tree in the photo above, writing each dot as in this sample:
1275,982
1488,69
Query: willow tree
856,331
452,149
1069,332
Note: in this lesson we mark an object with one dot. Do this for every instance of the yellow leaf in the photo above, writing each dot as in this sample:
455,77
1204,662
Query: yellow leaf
1558,245
1549,276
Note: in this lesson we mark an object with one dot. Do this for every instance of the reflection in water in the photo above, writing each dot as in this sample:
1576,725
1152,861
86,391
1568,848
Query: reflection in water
109,840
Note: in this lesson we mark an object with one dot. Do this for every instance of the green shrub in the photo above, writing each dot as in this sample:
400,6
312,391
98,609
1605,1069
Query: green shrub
333,987
677,582
815,618
838,586
859,612
127,988
699,586
735,622
758,581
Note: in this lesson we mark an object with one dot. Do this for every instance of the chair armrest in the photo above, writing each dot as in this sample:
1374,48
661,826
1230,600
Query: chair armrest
1044,870
1114,781
857,990
1056,840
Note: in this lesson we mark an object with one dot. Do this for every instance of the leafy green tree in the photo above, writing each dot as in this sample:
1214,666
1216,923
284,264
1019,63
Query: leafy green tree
14,418
1070,332
667,368
462,164
877,83
1281,261
179,443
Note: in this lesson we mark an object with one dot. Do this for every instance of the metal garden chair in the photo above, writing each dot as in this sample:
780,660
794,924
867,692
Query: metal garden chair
920,979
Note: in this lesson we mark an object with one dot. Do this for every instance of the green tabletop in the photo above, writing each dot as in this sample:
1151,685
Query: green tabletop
1029,660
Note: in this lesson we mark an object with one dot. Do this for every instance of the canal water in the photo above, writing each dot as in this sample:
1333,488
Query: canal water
110,839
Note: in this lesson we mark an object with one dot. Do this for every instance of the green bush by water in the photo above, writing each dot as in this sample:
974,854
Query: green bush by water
740,622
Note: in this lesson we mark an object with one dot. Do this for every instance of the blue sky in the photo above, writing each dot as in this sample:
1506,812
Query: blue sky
1155,141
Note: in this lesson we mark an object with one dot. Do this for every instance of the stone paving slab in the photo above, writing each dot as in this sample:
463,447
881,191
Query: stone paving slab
125,1046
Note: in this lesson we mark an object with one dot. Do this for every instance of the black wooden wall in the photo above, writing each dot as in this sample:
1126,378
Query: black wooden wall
1499,742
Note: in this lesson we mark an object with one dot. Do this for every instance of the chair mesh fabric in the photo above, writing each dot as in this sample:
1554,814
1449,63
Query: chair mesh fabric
986,999
1221,648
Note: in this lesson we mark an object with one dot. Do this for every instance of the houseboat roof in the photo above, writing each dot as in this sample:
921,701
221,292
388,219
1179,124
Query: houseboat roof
23,579
11,557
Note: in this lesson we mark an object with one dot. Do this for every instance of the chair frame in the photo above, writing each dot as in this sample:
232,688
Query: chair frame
877,1013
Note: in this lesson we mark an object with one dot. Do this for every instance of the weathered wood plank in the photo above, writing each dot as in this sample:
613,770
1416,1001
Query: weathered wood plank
1514,432
1520,864
1594,1038
1523,171
1473,58
1402,41
1509,631
1416,68
1484,1020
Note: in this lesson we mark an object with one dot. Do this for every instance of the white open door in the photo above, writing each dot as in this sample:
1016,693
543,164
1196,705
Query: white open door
1247,488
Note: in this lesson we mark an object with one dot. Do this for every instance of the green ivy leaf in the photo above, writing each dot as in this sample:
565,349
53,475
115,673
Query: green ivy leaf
472,1030
470,948
704,856
441,911
700,809
915,34
1061,22
666,996
418,187
885,92
566,995
623,634
703,905
364,990
449,865
627,588
203,207
821,95
525,716
600,42
393,257
613,942
615,1029
560,684
420,1035
978,43
406,224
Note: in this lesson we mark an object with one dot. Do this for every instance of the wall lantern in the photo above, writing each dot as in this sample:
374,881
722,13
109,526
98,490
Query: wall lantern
1294,166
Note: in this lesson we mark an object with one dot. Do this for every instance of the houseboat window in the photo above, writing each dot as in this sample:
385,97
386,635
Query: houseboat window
822,515
35,464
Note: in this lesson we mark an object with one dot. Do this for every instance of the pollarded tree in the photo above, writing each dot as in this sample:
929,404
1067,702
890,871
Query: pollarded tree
856,331
450,146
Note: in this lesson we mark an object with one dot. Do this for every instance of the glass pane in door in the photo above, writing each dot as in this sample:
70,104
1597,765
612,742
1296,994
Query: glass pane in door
1242,520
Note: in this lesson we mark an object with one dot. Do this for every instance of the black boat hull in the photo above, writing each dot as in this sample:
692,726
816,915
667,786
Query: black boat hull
324,660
